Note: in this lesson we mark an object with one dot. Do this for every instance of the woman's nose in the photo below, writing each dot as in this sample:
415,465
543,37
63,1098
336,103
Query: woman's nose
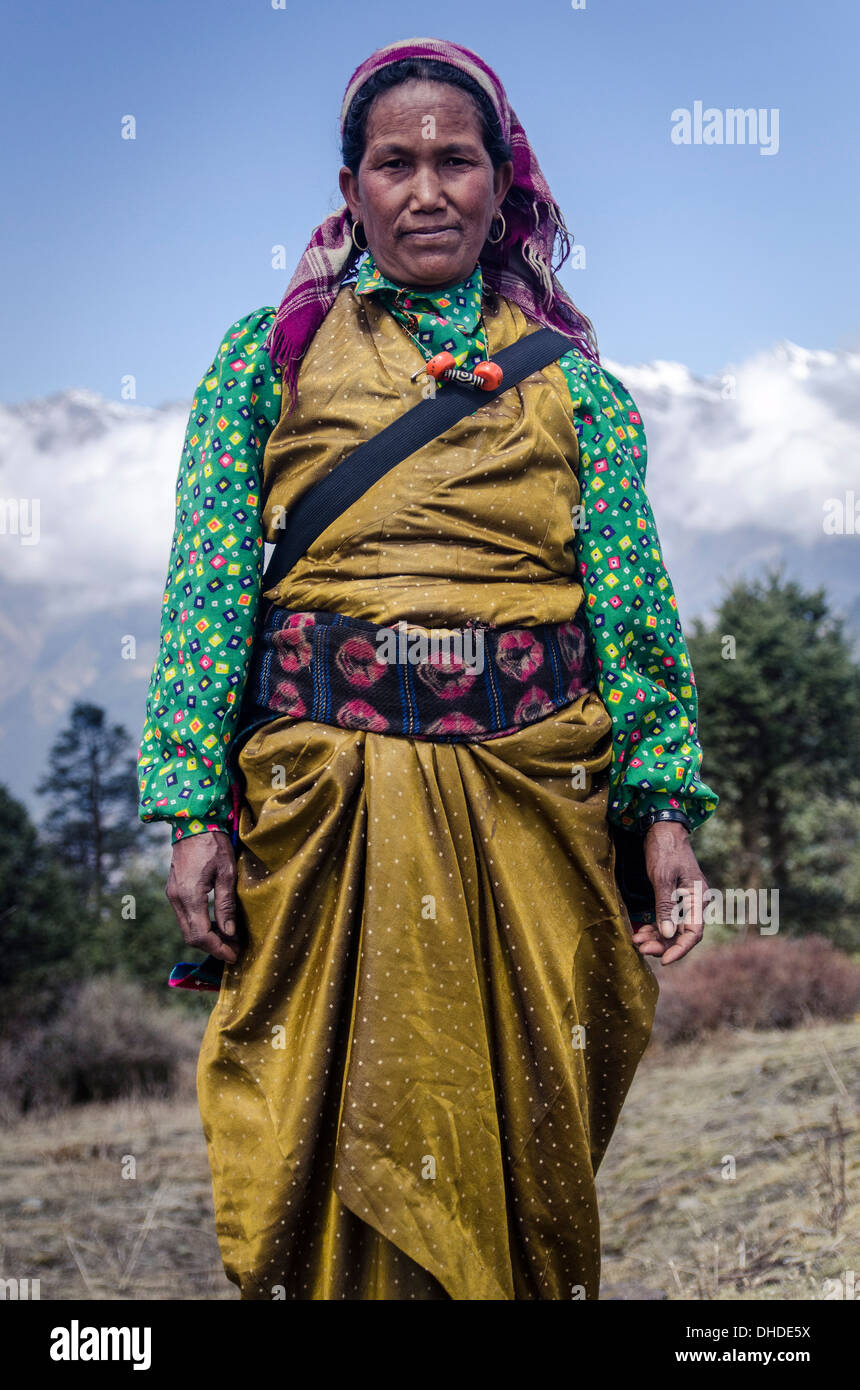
425,191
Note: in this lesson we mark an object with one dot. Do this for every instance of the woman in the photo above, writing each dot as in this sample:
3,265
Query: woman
433,1002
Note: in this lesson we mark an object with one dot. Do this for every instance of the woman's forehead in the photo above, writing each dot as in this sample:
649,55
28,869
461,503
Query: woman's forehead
409,104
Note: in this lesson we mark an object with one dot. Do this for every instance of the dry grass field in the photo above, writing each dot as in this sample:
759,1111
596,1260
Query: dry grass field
776,1109
734,1172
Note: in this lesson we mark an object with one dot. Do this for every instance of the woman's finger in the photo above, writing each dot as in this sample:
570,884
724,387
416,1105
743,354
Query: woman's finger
225,892
648,941
201,932
215,945
664,882
693,926
685,942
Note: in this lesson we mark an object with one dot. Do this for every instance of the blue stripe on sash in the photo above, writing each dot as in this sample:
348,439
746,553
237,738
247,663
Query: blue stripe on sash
555,661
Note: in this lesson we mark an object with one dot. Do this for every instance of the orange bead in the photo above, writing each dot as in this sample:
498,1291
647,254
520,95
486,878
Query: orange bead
442,362
490,374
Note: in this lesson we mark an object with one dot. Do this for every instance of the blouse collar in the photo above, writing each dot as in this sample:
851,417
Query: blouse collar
460,304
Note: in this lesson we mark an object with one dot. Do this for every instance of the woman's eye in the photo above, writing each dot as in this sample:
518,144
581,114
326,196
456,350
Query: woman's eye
397,163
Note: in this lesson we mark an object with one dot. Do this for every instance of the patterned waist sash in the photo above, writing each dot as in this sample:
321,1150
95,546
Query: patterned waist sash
452,685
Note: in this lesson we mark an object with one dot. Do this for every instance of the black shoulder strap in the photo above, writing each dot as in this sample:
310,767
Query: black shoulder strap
323,503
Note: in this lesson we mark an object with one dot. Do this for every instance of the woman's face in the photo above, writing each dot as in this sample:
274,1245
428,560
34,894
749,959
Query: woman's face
426,191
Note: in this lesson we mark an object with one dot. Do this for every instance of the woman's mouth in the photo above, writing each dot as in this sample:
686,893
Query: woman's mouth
430,234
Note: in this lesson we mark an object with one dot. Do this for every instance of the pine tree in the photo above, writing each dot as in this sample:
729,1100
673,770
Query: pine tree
91,784
779,705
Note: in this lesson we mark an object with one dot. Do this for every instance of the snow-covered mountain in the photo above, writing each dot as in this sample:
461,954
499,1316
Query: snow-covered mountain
745,468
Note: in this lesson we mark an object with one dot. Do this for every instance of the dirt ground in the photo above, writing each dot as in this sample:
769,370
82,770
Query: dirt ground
732,1175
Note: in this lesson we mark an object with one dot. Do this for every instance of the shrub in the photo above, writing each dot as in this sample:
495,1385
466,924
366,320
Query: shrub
755,984
108,1040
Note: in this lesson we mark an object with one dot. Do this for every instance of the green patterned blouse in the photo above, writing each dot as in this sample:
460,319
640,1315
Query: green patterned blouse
213,584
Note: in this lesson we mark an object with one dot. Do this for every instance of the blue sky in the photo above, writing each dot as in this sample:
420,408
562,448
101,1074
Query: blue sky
133,257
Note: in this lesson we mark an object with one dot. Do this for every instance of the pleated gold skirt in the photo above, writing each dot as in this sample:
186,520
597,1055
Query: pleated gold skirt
409,1080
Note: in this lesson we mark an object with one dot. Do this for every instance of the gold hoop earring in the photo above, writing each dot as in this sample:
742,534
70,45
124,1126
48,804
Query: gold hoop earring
352,237
494,240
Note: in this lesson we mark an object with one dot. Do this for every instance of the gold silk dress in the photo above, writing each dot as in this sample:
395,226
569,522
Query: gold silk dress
410,1078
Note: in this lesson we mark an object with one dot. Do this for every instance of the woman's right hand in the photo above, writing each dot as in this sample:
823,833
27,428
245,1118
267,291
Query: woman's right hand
202,863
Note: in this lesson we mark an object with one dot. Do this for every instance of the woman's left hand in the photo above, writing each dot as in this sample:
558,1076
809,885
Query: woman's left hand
674,871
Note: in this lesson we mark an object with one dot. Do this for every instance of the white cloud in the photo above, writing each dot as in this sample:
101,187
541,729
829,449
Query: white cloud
105,477
768,455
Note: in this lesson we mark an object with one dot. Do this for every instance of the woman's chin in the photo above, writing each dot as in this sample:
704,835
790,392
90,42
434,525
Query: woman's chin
431,265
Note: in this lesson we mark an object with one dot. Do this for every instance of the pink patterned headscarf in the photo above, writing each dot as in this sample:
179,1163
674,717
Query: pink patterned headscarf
519,268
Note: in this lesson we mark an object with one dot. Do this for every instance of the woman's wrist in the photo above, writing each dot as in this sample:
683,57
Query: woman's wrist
666,815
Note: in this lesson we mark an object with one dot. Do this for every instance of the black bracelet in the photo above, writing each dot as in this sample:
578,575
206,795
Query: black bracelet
670,814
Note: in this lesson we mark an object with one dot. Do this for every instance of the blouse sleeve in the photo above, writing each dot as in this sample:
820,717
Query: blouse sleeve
213,587
644,673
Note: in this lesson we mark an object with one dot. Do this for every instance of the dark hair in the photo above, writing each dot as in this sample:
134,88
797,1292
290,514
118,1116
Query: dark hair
425,70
